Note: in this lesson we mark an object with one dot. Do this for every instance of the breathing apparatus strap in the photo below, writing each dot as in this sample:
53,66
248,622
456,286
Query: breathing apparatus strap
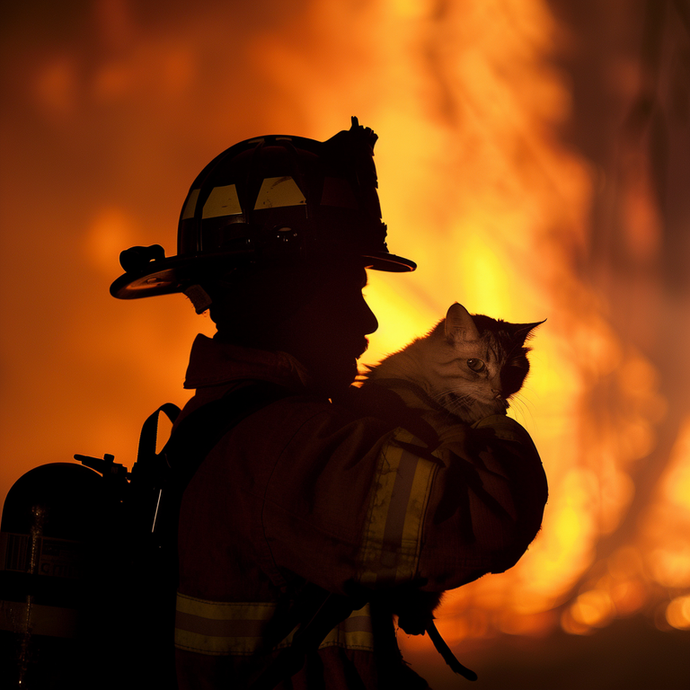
198,433
158,483
194,438
168,472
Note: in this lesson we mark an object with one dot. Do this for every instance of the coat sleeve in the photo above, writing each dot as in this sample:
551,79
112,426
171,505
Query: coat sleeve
351,502
485,505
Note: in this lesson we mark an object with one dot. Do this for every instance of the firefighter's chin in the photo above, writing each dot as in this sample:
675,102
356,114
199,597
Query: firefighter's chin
341,377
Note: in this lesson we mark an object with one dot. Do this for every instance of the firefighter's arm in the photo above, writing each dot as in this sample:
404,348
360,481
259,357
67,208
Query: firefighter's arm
442,518
486,503
350,500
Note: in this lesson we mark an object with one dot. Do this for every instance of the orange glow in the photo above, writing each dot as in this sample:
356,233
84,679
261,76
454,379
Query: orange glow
593,608
103,137
668,522
678,613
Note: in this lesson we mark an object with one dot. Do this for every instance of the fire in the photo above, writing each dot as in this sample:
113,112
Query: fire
511,216
667,525
476,186
678,613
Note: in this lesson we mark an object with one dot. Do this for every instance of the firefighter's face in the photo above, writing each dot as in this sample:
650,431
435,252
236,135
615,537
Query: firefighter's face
327,332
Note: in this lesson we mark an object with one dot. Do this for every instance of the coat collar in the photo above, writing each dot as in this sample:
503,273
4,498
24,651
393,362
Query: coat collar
213,362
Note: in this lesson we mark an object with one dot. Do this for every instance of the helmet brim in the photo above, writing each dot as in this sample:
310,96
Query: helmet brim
175,274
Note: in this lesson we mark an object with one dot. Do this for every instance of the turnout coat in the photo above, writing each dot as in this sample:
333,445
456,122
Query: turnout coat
307,492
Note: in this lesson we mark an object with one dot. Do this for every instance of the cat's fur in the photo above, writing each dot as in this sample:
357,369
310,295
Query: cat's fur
468,367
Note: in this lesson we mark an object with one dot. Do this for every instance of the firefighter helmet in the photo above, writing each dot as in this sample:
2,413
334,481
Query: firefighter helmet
270,198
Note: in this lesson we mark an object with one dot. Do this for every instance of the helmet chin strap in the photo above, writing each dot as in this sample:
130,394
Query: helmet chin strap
199,298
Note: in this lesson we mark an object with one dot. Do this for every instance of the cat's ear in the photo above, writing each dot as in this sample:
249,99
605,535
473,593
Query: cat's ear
459,324
522,331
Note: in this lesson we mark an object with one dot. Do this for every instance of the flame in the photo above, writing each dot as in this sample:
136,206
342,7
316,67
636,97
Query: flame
476,185
667,524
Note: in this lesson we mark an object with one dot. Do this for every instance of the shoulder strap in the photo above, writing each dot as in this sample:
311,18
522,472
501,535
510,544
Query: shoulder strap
196,436
155,570
155,474
198,433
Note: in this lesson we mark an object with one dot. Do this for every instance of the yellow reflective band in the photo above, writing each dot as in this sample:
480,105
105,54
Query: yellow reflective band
354,632
222,201
229,628
393,533
279,191
190,206
212,627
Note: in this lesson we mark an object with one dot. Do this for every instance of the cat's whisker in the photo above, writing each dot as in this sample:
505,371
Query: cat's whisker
522,409
524,397
454,400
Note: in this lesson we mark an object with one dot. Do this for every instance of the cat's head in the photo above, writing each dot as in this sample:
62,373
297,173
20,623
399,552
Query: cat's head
477,362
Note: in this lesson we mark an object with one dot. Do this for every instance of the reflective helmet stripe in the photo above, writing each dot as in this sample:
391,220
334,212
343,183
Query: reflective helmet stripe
279,191
393,533
233,628
222,201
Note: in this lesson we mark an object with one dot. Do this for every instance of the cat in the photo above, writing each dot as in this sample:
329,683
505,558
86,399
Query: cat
466,368
468,365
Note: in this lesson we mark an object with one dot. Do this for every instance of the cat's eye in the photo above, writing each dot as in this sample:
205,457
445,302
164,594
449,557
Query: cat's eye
476,365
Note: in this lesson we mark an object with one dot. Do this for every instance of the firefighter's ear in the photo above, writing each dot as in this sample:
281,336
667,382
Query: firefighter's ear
199,298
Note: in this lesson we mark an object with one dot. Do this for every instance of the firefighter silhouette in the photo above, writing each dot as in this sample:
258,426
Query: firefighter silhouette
263,546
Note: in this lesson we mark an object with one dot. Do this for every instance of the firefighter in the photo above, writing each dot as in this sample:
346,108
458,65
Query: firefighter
302,521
